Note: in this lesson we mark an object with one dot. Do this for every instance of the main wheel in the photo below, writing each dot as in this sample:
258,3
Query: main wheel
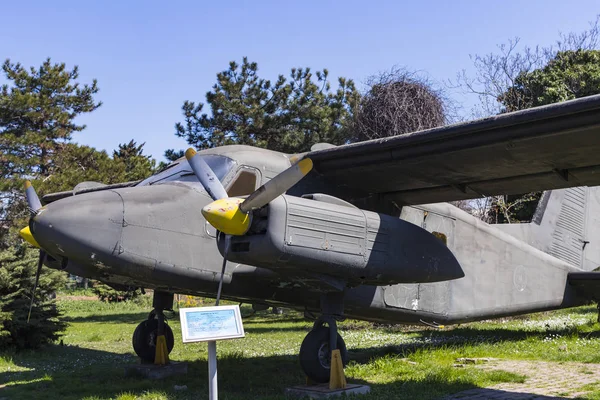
144,339
315,355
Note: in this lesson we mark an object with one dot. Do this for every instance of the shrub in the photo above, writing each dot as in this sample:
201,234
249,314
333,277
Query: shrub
18,266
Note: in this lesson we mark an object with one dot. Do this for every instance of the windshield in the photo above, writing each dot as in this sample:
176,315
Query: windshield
181,171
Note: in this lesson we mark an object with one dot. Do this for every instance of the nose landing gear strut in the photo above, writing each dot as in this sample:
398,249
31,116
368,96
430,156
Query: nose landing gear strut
153,339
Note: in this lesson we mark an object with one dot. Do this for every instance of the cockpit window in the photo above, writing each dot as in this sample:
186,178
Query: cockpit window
221,165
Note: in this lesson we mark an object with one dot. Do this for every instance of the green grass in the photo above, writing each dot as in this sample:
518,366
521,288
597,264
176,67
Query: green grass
398,362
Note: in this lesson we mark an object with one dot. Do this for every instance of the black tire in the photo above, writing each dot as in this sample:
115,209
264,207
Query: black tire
315,357
144,339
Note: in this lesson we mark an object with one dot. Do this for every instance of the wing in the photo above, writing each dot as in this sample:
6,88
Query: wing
542,148
80,189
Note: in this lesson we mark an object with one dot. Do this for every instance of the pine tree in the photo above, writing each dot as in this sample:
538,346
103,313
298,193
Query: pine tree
17,273
112,295
288,115
38,108
137,165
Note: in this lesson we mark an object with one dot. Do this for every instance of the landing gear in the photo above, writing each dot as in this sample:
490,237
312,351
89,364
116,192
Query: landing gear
319,345
145,336
316,348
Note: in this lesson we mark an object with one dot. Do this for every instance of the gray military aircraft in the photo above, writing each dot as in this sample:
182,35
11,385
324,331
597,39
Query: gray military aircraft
355,231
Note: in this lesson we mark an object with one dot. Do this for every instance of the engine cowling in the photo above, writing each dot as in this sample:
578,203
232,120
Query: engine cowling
344,242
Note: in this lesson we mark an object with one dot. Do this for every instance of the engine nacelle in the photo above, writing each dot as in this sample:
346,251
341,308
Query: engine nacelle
344,242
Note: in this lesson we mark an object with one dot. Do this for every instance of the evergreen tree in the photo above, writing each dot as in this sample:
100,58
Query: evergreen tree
137,165
288,115
17,274
111,295
568,75
38,108
173,155
78,163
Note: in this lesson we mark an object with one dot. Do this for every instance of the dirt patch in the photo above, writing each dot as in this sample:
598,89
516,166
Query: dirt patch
545,380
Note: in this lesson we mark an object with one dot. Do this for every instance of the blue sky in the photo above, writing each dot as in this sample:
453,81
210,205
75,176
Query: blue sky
150,56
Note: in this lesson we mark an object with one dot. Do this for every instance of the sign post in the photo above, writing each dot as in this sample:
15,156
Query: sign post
209,324
213,391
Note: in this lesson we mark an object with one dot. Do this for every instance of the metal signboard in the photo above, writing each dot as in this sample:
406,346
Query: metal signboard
205,324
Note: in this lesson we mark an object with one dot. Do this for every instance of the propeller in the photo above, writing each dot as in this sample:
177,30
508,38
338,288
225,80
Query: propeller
231,215
37,279
33,201
35,205
205,175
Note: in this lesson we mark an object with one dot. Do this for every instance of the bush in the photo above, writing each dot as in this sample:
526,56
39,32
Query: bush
113,294
18,266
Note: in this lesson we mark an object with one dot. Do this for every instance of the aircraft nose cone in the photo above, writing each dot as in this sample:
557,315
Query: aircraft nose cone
81,227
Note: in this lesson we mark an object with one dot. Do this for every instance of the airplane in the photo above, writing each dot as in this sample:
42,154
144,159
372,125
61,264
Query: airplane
360,231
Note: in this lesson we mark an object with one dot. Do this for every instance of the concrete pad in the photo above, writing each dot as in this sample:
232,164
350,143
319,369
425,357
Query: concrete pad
322,391
151,371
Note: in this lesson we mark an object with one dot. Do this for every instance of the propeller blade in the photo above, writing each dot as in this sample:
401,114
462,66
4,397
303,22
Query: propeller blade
37,279
205,175
33,201
277,186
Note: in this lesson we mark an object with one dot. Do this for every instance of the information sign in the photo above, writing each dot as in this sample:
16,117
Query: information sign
203,324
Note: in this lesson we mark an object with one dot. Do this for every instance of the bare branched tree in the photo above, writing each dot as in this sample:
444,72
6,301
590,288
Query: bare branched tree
496,72
479,208
398,102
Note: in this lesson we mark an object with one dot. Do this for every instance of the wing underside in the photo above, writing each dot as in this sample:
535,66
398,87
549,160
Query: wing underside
543,148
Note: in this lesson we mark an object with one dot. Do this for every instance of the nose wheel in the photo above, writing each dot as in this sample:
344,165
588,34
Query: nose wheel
316,348
153,339
145,336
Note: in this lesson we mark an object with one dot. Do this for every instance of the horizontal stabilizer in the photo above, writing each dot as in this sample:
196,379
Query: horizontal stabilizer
587,284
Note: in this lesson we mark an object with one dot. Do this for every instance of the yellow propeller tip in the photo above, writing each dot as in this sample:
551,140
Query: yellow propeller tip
26,234
305,166
189,153
27,185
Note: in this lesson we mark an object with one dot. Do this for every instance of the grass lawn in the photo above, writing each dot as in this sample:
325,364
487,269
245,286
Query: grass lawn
398,362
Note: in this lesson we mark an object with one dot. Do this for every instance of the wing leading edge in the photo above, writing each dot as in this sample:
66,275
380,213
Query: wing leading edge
549,147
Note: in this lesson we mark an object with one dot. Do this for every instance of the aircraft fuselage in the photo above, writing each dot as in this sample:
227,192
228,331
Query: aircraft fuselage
153,235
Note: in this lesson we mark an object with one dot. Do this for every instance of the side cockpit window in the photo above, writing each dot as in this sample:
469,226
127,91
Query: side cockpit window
243,184
181,170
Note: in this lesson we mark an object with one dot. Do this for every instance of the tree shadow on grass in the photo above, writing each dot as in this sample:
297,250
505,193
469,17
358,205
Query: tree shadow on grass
75,373
71,372
133,318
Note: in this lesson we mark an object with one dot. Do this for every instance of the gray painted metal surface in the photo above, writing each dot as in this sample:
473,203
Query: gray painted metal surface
542,148
435,263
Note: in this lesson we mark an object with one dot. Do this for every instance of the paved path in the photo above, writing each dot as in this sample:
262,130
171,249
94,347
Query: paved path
545,380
